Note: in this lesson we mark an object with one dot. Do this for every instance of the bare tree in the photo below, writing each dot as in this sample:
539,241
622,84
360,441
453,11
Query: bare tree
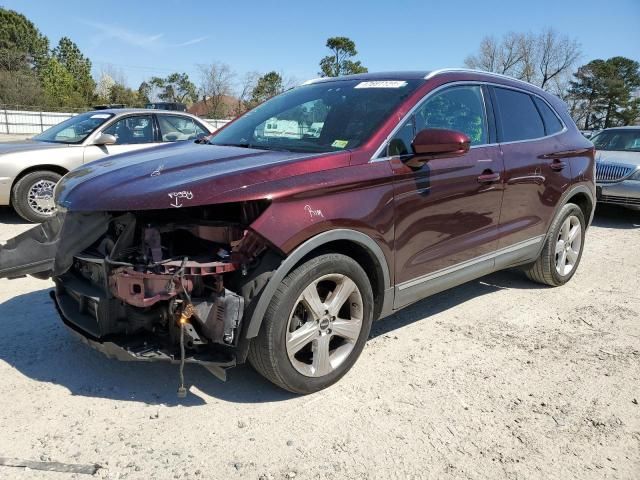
545,59
557,55
216,82
486,58
245,89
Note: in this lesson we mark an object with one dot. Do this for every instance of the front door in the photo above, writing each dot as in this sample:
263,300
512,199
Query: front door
447,211
133,132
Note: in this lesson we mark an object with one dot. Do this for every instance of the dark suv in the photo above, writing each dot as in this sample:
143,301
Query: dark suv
281,238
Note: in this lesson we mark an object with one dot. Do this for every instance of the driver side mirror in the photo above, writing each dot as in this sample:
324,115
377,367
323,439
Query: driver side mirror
436,143
105,139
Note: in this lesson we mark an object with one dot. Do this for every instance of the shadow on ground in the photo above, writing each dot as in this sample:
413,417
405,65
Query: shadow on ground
611,216
8,216
37,344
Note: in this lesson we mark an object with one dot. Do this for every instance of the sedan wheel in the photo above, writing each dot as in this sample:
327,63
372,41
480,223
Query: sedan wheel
32,195
40,197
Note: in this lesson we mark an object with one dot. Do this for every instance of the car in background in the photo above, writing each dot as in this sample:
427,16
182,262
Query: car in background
589,133
173,106
30,169
618,166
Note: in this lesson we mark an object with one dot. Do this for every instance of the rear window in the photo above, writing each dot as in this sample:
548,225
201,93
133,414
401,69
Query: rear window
518,118
552,123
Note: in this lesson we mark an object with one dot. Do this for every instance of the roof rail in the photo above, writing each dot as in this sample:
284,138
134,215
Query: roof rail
312,80
433,73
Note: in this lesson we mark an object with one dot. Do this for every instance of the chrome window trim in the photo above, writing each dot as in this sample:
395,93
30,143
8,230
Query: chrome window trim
468,263
379,150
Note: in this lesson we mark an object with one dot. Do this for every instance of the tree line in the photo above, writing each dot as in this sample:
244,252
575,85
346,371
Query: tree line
599,94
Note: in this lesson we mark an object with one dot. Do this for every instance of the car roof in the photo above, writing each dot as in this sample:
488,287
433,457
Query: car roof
124,111
626,127
420,75
409,75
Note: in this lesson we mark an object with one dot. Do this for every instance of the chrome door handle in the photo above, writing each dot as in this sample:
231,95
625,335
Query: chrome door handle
489,177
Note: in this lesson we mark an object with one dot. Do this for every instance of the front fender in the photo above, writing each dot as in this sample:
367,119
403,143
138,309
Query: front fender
298,254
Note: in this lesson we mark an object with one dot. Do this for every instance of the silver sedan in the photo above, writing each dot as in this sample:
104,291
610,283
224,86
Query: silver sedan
618,166
30,169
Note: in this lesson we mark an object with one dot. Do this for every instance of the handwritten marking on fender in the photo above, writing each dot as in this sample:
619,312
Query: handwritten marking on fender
157,171
313,213
177,196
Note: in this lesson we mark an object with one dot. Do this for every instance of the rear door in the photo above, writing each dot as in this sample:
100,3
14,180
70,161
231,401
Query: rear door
133,132
535,177
447,211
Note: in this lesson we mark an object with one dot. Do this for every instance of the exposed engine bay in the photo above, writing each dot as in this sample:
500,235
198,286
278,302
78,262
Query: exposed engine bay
156,285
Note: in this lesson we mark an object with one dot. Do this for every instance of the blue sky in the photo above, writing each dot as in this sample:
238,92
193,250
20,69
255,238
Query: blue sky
147,38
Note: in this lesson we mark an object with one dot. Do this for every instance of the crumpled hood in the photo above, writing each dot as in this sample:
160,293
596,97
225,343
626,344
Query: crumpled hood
28,145
610,156
178,175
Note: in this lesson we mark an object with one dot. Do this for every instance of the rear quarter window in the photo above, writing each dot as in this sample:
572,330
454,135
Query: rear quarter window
552,123
518,117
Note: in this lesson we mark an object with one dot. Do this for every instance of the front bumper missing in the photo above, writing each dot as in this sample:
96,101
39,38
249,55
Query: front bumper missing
140,348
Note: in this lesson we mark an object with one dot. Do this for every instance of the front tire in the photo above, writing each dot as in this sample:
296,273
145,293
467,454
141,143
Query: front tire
316,325
562,250
32,195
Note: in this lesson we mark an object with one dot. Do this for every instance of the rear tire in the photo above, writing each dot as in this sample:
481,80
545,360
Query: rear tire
315,326
562,250
32,195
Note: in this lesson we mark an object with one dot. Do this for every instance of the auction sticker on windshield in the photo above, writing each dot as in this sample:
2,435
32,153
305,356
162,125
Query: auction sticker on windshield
382,84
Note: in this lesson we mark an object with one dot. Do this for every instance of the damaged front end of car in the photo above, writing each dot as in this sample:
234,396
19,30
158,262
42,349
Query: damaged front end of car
169,285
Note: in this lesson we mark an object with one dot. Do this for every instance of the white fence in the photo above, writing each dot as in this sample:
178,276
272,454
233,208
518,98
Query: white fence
216,124
24,122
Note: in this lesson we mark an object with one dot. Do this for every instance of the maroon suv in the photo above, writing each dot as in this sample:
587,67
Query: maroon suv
294,227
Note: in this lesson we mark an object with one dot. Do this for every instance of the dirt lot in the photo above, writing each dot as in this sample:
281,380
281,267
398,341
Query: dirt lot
499,378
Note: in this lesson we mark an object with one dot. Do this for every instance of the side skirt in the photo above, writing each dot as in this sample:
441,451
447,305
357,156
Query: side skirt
520,253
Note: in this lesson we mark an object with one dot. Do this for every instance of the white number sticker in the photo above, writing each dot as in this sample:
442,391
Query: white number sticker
382,84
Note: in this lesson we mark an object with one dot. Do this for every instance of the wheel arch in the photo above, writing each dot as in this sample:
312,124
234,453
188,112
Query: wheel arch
584,198
357,245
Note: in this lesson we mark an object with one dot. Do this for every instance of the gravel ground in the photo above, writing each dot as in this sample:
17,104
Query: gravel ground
498,378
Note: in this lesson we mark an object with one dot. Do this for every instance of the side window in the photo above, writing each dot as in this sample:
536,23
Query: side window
552,123
174,128
518,117
132,130
456,108
400,144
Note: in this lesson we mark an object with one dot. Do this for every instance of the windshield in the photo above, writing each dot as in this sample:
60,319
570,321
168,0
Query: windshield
75,129
619,140
320,117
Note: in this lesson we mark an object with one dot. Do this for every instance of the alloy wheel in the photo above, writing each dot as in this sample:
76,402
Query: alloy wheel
568,245
324,325
40,197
